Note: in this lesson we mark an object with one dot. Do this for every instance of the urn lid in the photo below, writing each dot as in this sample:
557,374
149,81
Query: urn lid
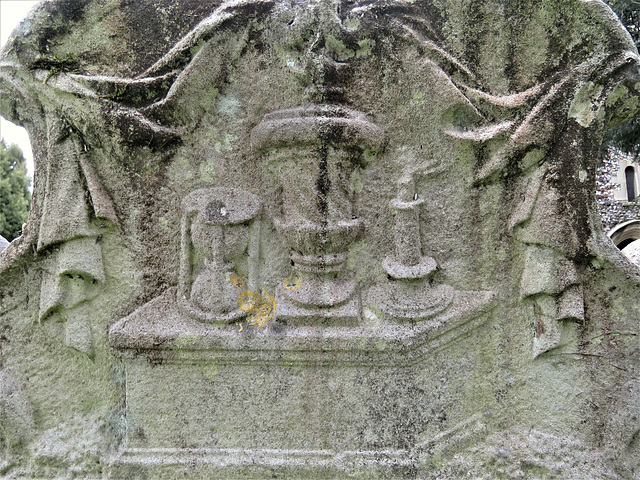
317,125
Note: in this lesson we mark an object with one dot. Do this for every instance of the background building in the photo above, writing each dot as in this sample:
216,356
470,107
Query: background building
618,195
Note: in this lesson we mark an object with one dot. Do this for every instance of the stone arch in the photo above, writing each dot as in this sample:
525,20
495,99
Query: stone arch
625,233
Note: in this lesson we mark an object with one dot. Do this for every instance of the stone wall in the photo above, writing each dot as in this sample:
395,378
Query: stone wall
612,211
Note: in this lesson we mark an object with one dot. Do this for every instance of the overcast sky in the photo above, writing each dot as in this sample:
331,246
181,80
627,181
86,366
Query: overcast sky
11,12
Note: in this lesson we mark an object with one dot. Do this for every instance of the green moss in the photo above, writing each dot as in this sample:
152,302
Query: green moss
357,180
351,24
532,158
118,93
209,370
207,172
181,169
94,34
370,154
185,340
457,115
619,92
631,104
366,47
209,97
433,462
164,223
117,373
417,97
629,108
285,53
196,48
225,144
57,65
582,107
338,48
115,423
363,262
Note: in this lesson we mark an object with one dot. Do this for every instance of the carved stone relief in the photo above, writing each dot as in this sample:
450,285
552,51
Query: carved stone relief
325,143
69,282
75,213
319,239
219,230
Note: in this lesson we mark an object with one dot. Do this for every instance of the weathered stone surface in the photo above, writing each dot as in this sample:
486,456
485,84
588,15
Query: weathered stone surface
318,239
632,252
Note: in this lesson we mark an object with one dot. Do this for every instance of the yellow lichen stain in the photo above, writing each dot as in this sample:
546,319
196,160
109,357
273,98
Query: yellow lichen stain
238,280
292,283
248,300
241,326
260,306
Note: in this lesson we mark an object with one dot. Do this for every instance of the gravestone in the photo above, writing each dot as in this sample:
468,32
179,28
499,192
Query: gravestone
318,239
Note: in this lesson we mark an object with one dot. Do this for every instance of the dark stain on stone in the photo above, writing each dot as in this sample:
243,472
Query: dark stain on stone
540,329
71,11
148,26
215,211
323,185
242,16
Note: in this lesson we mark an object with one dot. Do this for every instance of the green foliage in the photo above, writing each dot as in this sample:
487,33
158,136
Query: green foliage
629,13
15,198
118,93
626,136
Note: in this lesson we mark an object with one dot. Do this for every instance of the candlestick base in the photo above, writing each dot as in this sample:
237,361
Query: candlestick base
397,270
416,300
